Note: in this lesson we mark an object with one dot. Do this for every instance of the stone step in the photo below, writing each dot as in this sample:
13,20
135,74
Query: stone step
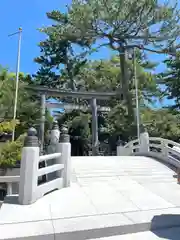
169,233
117,224
107,227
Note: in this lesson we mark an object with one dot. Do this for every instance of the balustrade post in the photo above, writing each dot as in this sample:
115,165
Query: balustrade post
164,146
9,188
29,169
52,147
54,138
144,142
120,149
64,147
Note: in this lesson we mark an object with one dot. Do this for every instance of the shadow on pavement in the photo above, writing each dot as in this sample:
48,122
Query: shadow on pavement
166,226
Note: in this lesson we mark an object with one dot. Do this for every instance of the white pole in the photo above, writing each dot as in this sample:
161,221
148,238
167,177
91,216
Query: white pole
136,92
17,80
42,125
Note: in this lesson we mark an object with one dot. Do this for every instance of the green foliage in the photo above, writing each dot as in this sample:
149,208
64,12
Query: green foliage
159,123
171,79
7,127
10,153
58,53
28,105
124,21
7,93
105,75
77,122
80,126
121,24
162,123
79,130
118,120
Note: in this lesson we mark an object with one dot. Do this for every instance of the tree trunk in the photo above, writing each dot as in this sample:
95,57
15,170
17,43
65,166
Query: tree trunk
95,141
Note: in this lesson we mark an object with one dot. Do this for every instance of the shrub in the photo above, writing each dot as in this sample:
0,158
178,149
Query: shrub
10,153
7,127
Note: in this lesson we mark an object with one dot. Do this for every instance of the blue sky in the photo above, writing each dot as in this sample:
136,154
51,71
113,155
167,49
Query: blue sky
31,15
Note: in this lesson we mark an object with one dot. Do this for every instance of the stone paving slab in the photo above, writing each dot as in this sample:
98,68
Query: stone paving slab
70,202
168,191
108,196
117,224
91,223
11,212
31,230
157,218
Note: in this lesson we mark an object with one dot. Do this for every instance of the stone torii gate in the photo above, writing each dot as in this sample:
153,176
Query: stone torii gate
93,96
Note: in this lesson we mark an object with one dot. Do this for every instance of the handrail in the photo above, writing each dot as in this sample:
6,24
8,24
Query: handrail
9,179
154,139
49,157
135,147
132,143
174,151
50,169
165,140
155,145
167,150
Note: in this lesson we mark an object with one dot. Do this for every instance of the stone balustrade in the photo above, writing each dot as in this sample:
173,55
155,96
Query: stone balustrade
56,168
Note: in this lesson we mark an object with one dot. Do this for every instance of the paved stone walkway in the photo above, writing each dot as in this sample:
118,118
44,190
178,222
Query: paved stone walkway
108,196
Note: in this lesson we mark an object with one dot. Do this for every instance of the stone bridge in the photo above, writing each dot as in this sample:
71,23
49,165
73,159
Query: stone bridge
109,198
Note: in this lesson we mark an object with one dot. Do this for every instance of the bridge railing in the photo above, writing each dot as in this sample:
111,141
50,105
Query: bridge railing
29,187
163,149
56,170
